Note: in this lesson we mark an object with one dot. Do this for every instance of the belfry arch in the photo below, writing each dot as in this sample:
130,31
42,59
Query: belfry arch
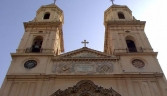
37,44
46,15
121,15
130,42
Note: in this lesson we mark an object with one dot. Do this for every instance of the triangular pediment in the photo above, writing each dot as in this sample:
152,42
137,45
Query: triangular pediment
84,53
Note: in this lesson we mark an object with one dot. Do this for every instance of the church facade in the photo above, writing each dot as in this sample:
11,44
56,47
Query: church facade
127,67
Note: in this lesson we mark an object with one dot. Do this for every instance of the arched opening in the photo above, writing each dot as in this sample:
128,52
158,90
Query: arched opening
131,44
121,15
37,44
46,16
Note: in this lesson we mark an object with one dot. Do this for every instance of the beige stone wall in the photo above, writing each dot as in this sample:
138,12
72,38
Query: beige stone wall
124,86
50,39
151,64
117,37
17,65
45,65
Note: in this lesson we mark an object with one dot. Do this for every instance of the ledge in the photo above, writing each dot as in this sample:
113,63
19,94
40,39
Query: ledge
32,54
115,22
136,53
55,76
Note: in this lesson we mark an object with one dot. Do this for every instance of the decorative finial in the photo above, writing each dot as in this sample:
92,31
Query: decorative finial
112,2
54,1
85,42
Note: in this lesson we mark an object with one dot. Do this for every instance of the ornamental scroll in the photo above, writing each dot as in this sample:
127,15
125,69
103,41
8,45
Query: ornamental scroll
86,88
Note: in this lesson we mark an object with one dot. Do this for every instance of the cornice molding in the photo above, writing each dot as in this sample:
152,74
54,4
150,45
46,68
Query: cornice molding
55,76
117,22
31,54
44,23
85,59
135,53
99,55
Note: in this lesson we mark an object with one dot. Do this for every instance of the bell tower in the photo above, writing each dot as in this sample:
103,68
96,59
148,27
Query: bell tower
123,33
44,33
125,37
42,40
127,67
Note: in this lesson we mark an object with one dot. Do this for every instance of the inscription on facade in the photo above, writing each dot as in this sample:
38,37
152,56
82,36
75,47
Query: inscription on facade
84,68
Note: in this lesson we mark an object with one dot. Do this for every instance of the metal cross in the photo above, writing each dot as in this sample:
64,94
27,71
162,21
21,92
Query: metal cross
112,2
85,42
54,1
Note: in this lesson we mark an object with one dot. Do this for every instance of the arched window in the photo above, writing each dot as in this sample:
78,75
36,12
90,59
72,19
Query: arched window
131,44
47,15
37,44
121,15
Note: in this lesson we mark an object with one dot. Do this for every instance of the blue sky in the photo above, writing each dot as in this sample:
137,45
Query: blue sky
83,20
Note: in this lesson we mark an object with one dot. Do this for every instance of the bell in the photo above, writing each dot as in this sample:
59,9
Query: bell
36,46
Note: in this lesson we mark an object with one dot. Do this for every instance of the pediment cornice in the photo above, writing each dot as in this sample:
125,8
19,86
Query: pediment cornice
84,54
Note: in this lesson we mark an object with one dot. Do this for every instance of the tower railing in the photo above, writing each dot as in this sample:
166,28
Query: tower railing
134,49
130,50
33,50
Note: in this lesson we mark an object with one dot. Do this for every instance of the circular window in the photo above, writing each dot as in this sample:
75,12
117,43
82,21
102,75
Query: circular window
30,64
138,63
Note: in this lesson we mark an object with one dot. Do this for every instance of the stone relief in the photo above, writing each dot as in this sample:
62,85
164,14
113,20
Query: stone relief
86,88
83,67
105,68
65,68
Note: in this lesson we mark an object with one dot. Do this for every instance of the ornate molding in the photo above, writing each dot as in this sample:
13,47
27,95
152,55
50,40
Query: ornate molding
86,88
144,75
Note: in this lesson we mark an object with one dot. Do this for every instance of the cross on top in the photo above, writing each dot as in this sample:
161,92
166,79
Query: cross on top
54,1
112,2
85,42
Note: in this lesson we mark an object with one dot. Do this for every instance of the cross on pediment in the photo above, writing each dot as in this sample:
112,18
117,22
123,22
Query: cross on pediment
85,42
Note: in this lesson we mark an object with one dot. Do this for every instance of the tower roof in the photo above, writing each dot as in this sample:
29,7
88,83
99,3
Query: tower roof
117,6
52,5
